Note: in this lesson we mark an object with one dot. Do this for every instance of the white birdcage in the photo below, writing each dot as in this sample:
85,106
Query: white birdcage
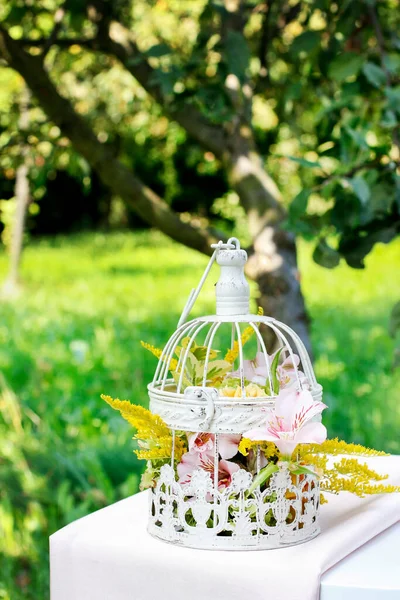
200,511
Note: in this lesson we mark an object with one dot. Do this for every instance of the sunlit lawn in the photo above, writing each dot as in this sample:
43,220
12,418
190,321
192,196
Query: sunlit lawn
74,333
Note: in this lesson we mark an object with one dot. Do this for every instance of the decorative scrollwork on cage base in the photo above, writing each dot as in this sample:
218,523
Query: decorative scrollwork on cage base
198,516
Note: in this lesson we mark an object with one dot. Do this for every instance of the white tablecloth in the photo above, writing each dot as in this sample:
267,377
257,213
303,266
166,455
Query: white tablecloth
109,555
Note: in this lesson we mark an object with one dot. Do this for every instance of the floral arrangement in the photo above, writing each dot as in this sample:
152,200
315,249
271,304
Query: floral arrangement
291,434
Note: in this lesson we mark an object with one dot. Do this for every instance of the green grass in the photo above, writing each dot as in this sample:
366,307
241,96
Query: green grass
74,333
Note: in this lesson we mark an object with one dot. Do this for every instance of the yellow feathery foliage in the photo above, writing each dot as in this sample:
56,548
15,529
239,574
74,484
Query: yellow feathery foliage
322,499
151,430
319,461
336,446
347,474
162,449
268,448
233,353
334,483
148,425
351,466
173,363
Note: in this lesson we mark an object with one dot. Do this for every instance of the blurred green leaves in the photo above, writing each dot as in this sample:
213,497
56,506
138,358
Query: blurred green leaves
325,255
344,66
375,75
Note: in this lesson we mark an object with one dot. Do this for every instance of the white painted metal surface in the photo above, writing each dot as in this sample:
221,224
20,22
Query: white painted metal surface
172,503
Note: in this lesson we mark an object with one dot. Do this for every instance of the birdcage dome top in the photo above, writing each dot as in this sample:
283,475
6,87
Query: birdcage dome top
215,372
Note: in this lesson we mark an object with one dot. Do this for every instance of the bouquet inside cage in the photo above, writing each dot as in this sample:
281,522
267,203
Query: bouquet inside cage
235,448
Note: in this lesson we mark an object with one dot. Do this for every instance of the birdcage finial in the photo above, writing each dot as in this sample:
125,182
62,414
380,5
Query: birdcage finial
232,290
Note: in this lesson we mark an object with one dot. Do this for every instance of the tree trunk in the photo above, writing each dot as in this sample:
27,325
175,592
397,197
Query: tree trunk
272,257
22,198
273,265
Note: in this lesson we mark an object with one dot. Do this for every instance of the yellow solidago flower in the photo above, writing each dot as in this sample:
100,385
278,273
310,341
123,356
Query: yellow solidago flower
322,499
318,461
336,446
153,435
351,466
161,449
149,426
268,448
173,363
334,483
233,353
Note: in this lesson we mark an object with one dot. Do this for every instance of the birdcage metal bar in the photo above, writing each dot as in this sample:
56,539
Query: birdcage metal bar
216,455
241,371
213,330
264,349
291,353
162,360
187,350
304,357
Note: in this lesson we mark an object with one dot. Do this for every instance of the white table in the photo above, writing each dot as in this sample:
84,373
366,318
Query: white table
108,555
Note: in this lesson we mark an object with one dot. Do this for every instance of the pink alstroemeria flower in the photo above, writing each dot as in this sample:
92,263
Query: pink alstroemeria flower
288,423
192,461
203,443
254,370
257,370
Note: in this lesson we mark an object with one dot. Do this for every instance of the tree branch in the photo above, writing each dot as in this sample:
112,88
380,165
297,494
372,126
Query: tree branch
116,41
265,37
111,171
58,24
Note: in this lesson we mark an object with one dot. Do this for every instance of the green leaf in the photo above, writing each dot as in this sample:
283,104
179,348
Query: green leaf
389,119
132,61
237,54
165,79
358,137
394,323
300,470
392,62
263,476
216,368
355,247
298,206
274,368
344,66
326,256
393,96
360,188
304,162
375,75
16,14
158,50
383,195
305,42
